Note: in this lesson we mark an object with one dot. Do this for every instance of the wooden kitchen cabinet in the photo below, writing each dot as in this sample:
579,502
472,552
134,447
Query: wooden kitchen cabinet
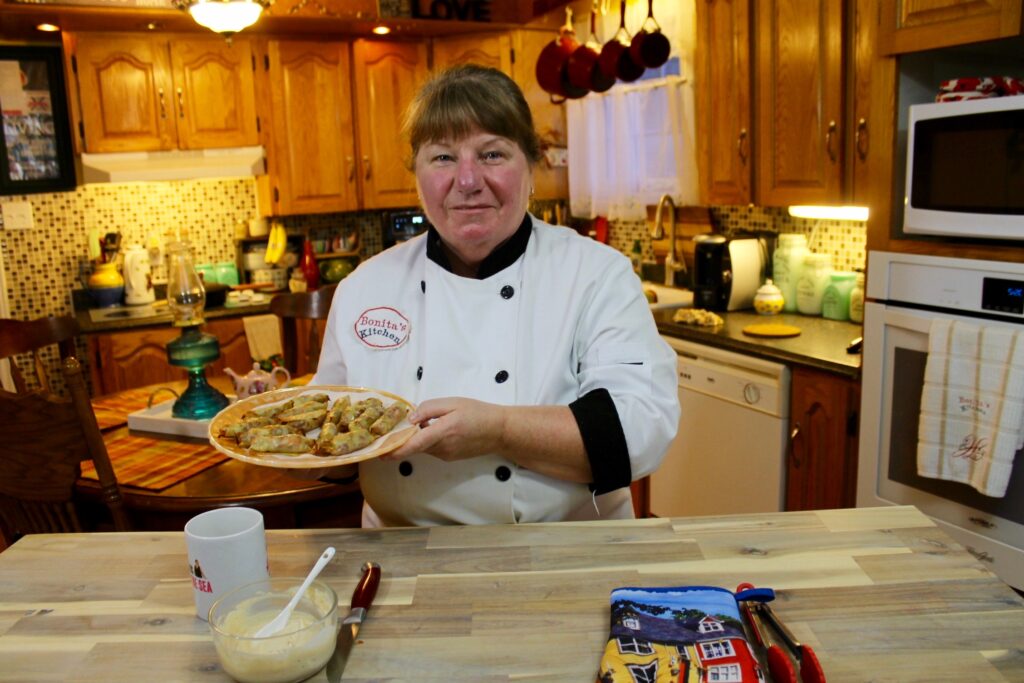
821,465
135,358
387,76
723,101
309,137
516,53
929,24
138,92
799,96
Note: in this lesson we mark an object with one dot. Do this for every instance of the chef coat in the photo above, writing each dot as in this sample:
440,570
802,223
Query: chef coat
566,318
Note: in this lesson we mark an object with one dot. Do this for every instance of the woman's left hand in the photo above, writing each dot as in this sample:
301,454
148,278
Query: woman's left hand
455,429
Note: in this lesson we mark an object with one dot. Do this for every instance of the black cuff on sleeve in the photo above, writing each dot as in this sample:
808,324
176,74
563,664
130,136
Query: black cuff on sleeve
603,440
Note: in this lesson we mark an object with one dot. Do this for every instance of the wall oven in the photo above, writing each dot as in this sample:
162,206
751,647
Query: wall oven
906,292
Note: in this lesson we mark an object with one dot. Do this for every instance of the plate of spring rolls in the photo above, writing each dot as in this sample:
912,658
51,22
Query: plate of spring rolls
312,426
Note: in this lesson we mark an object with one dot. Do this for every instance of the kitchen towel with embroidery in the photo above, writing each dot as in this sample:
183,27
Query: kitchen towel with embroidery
669,634
972,405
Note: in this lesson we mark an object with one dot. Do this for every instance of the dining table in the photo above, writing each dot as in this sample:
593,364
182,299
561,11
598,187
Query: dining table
880,594
167,478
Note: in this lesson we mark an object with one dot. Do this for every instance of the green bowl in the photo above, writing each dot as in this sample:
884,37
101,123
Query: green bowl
335,270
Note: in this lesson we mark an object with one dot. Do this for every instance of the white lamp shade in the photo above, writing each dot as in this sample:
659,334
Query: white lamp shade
226,17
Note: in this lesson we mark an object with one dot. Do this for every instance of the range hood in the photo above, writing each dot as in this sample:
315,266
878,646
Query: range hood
231,162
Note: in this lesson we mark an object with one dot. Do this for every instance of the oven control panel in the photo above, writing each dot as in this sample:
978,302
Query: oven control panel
1002,296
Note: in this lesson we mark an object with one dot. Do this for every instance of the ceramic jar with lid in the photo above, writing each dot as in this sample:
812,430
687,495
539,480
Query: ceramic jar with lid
835,302
814,278
106,286
787,265
769,299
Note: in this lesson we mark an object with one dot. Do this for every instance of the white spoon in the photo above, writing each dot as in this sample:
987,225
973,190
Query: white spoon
278,622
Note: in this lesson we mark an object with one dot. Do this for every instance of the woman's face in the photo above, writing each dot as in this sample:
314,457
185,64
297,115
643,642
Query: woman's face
475,192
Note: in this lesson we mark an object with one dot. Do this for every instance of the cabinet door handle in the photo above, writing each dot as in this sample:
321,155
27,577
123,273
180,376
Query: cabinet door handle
351,168
366,168
797,462
832,126
861,138
980,555
181,104
741,149
163,105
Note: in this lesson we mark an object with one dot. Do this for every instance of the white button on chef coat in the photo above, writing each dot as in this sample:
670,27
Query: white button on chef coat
572,319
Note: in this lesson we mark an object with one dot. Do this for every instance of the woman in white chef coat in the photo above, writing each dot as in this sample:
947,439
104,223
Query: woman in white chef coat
542,385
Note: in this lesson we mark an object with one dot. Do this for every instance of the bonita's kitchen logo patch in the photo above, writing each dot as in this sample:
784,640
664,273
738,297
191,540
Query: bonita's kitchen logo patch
382,328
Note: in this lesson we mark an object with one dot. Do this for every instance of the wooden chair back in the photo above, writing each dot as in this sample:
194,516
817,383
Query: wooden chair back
45,439
299,311
32,336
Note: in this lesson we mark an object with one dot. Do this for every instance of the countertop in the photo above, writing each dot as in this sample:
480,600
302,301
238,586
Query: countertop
881,594
821,344
80,303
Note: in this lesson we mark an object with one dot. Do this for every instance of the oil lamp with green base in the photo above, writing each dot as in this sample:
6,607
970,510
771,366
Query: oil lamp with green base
194,349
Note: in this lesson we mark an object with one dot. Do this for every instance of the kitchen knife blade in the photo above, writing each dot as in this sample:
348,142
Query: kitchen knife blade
362,598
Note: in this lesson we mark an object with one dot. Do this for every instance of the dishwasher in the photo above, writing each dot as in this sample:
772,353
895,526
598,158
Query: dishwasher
729,454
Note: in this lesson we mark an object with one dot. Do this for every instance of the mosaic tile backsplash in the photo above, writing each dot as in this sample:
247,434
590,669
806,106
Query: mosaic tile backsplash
43,264
845,240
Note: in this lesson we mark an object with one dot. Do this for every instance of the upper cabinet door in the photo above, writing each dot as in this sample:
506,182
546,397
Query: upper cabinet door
214,97
799,94
125,93
313,163
387,77
911,25
492,49
723,101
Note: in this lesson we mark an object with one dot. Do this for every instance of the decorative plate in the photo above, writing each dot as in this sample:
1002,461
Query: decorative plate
402,432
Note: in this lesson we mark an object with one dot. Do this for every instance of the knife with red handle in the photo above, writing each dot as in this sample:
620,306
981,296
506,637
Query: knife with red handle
362,598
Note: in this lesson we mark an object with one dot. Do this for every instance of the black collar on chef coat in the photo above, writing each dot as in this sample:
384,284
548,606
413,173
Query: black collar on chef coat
498,260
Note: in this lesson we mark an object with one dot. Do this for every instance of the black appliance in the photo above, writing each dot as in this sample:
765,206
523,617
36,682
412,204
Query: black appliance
727,272
402,225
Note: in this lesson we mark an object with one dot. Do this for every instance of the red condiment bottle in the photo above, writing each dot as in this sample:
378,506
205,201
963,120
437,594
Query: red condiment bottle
308,266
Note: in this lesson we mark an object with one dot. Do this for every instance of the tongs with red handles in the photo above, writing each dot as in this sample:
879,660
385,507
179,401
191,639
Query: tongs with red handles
754,602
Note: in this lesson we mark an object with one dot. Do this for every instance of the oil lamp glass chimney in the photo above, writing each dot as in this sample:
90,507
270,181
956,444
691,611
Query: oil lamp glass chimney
194,349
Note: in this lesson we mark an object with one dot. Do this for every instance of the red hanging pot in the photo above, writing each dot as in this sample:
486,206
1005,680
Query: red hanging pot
582,69
615,61
649,46
551,65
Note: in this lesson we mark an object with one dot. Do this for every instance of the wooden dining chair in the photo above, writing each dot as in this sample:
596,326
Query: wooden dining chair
299,311
45,439
19,337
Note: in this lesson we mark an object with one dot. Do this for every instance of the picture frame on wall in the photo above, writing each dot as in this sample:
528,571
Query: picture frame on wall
35,138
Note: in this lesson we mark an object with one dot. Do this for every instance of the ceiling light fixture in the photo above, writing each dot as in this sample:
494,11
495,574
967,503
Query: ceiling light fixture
226,17
381,30
49,28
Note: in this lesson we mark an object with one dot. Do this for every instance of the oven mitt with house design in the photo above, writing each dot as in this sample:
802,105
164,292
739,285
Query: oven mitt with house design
690,633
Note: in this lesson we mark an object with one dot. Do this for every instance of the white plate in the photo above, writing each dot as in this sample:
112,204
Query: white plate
402,432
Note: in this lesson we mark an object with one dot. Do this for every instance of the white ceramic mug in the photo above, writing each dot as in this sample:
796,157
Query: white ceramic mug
227,548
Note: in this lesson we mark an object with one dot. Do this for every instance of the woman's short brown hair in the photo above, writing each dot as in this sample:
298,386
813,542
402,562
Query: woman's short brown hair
468,96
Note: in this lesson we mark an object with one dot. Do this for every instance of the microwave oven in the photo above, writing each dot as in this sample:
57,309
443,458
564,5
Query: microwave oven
965,169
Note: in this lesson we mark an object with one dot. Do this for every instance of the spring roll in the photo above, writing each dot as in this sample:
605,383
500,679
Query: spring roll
391,417
245,439
269,411
334,414
347,442
327,432
236,429
283,443
307,421
367,417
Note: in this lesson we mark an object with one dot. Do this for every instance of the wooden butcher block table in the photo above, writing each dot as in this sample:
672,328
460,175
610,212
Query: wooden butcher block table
881,595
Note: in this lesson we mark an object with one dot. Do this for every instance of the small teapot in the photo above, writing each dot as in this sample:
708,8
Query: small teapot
257,381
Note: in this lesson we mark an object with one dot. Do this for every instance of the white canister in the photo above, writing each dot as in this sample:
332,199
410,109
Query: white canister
787,265
138,279
857,300
813,281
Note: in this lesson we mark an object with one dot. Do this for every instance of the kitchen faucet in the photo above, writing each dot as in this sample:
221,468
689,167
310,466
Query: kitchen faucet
673,265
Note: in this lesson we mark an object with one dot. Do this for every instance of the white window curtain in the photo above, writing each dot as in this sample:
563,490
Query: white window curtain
630,146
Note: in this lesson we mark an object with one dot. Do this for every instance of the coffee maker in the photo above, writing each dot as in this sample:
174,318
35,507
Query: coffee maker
727,272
